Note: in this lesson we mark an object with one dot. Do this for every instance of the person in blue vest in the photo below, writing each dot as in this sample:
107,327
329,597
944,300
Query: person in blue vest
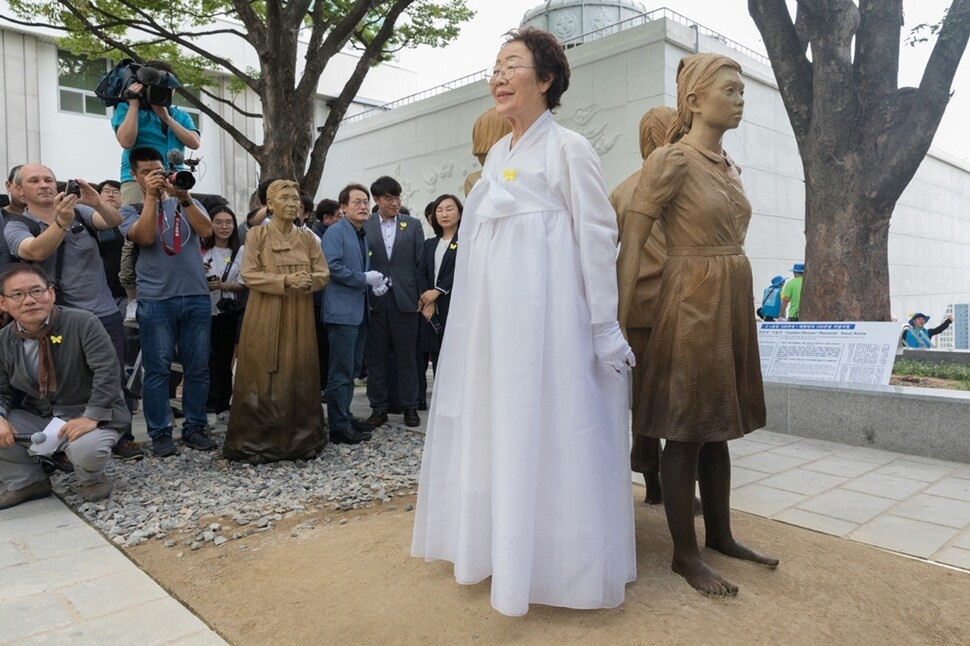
771,300
915,333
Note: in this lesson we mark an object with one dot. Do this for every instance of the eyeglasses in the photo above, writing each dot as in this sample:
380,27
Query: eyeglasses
506,72
36,293
359,202
391,198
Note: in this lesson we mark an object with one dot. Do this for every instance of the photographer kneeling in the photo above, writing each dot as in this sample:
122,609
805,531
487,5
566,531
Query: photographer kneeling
63,361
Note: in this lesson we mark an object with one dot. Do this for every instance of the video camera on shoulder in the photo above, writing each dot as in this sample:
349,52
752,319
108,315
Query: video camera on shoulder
114,87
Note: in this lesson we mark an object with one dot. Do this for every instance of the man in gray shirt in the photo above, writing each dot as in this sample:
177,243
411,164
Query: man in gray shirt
174,309
59,231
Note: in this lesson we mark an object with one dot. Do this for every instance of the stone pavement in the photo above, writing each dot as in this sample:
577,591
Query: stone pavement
912,505
62,582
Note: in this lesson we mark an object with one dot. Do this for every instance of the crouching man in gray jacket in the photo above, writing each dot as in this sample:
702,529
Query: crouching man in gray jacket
61,363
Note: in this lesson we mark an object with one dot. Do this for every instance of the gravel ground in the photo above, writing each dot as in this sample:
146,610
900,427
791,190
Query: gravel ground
195,498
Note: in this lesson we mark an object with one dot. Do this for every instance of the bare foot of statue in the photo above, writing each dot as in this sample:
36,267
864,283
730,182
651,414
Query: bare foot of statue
654,494
702,578
736,550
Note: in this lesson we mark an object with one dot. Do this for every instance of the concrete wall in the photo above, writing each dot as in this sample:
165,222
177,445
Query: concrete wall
427,146
915,421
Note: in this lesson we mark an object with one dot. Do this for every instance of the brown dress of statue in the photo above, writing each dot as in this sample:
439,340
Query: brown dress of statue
703,383
276,412
488,129
637,322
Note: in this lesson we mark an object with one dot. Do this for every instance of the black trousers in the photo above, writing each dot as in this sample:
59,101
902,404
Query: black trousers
390,329
222,342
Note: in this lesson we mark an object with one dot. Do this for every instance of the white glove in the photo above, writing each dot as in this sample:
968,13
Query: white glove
373,278
381,289
611,348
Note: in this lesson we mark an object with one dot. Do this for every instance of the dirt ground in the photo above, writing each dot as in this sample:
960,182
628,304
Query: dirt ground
355,583
924,382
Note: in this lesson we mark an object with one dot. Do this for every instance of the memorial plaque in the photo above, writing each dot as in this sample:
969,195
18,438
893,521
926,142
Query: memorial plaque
860,352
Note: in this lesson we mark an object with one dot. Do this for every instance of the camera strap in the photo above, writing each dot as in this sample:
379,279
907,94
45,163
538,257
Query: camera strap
231,260
176,232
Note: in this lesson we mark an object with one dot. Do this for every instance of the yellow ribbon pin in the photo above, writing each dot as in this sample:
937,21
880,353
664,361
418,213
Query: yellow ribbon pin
453,246
404,225
57,339
509,174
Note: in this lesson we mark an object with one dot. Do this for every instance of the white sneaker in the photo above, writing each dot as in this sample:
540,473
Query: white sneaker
131,310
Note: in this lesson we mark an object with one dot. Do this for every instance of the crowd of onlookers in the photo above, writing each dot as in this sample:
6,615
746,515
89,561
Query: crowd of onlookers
161,271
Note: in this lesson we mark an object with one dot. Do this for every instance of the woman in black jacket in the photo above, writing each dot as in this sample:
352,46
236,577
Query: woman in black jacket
436,271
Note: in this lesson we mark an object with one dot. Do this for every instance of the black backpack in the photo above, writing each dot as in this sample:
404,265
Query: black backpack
113,83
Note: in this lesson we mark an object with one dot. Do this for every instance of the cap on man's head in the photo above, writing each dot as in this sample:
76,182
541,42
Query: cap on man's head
777,280
798,268
917,315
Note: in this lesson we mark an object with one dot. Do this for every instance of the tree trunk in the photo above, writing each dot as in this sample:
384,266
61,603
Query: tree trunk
287,135
847,247
860,136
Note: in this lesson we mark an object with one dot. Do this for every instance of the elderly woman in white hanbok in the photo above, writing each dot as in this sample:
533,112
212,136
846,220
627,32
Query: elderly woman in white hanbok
525,475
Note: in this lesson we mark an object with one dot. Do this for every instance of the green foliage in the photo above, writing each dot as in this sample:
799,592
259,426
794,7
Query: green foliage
951,371
925,31
135,24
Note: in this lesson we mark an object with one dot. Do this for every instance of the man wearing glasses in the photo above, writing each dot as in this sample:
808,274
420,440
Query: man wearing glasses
345,311
63,361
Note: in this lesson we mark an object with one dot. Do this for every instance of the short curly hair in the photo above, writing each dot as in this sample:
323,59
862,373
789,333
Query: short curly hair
549,58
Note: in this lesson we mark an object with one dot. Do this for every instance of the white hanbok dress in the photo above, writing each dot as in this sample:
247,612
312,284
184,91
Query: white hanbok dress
525,475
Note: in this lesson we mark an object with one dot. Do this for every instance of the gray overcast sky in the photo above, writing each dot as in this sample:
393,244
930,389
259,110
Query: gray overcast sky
476,47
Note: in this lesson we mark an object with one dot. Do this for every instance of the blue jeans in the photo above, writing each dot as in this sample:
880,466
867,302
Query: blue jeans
346,362
183,322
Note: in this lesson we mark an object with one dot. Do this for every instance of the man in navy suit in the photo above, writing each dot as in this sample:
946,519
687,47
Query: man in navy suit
345,310
395,242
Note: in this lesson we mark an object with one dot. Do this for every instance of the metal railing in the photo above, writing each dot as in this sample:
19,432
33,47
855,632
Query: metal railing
596,34
420,96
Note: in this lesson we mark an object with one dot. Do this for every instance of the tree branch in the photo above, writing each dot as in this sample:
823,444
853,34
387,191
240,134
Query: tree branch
153,28
912,139
793,71
255,28
231,104
877,49
318,58
247,144
338,108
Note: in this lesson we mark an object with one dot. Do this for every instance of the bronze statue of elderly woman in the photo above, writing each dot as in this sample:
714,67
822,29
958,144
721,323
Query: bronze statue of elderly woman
276,412
703,382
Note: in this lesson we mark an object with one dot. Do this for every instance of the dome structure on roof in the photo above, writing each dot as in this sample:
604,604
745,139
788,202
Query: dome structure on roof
579,21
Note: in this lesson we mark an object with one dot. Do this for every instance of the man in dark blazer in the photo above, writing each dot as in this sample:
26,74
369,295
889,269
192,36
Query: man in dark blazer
345,311
395,242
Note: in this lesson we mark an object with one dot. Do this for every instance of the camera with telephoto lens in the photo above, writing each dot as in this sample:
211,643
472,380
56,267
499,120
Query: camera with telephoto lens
183,180
72,188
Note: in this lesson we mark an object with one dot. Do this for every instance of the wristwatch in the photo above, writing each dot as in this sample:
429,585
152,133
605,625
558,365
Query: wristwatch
186,203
